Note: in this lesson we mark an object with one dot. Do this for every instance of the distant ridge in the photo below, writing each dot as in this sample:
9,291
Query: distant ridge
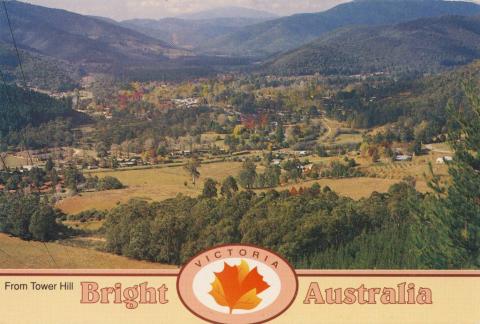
288,33
229,12
79,39
188,33
424,45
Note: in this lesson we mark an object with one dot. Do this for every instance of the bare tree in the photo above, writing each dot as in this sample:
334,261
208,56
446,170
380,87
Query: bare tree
192,168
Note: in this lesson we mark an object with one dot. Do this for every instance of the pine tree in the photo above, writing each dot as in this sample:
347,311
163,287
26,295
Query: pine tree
43,224
462,203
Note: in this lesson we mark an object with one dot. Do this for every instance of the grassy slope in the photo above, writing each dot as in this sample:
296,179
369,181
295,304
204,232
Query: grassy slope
18,254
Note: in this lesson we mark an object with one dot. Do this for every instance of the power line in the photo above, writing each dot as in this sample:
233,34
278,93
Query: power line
26,87
10,101
51,257
7,93
14,42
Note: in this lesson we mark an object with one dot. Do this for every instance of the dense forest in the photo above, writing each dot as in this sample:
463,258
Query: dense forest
424,45
301,227
417,103
29,217
20,108
42,72
33,120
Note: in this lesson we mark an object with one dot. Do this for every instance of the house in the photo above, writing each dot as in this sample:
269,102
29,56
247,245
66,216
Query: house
444,159
308,168
186,103
129,164
27,168
403,158
302,153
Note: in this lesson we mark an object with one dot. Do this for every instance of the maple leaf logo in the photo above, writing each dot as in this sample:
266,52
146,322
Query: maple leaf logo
237,287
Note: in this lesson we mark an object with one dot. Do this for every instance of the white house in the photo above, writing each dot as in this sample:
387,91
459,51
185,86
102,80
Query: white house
402,158
444,159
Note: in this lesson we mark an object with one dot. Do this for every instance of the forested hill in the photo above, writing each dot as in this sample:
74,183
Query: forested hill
413,101
79,39
424,45
20,108
288,33
41,72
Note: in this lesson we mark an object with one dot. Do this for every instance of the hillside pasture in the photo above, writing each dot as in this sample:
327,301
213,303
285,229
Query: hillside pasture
18,254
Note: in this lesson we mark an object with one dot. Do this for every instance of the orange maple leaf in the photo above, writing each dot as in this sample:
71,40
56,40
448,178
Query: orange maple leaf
237,287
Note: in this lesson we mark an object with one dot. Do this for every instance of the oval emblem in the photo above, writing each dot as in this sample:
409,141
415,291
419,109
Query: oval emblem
238,284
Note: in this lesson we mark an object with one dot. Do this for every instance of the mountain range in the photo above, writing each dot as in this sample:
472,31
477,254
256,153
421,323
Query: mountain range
287,33
229,12
189,34
426,45
80,39
58,47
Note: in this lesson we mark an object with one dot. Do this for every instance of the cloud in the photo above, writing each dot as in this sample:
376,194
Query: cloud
127,9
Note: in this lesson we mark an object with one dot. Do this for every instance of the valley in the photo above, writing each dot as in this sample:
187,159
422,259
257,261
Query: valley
341,139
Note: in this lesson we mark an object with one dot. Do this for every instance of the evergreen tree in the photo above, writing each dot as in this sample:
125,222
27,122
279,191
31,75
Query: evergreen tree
280,134
461,205
43,224
229,187
248,174
49,165
209,188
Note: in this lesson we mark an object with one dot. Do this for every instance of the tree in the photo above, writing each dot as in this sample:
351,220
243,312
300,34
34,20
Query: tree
272,176
461,205
37,177
73,177
416,147
280,134
248,174
27,217
49,165
210,188
293,168
229,187
109,183
192,168
162,151
232,142
101,149
43,226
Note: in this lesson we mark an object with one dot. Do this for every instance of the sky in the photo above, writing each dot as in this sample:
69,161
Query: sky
155,9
